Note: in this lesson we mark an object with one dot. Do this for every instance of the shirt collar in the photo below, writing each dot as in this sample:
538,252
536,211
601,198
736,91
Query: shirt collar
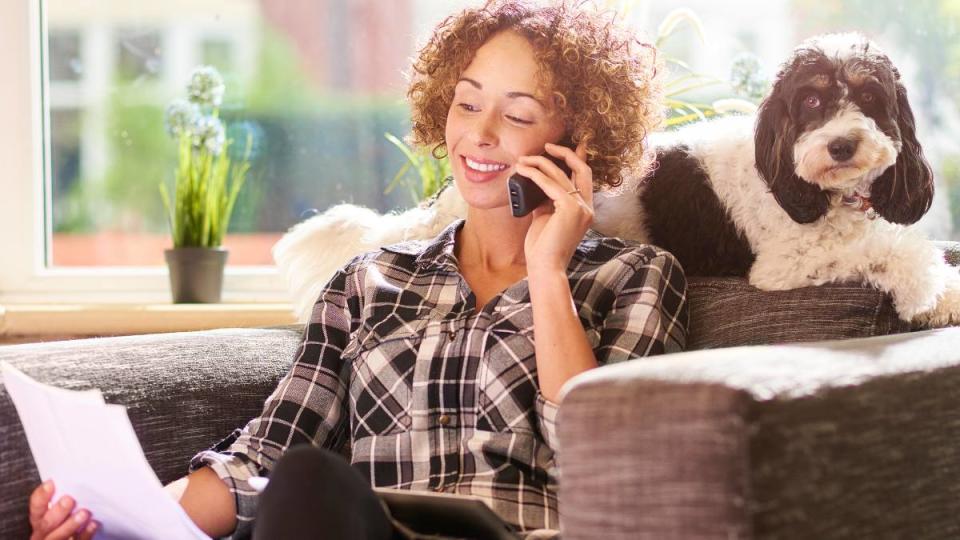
439,251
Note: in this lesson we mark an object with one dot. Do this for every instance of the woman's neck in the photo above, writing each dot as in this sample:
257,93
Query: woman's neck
491,241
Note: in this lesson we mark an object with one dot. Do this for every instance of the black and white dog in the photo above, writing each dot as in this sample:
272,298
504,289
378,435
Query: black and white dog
816,189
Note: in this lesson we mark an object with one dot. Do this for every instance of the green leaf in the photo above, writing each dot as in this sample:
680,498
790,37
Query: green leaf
206,188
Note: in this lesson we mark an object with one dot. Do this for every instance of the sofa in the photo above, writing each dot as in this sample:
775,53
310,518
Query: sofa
812,413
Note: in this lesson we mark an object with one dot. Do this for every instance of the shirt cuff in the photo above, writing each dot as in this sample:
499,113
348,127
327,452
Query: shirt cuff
235,473
547,419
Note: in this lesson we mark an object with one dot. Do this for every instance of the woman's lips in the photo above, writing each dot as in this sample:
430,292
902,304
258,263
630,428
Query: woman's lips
474,175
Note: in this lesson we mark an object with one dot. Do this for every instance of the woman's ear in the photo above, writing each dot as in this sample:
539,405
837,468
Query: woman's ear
774,139
904,192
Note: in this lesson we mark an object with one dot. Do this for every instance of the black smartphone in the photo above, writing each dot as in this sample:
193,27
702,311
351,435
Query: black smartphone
525,194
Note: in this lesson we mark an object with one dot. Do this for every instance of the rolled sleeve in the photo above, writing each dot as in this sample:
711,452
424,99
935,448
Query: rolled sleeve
547,419
649,315
234,471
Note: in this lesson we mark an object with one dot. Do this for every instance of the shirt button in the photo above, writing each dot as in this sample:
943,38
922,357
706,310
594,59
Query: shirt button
443,420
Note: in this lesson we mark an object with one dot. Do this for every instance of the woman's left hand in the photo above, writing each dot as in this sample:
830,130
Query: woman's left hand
558,228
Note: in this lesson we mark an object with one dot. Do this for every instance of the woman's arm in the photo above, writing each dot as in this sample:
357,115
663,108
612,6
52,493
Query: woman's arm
648,316
207,500
561,345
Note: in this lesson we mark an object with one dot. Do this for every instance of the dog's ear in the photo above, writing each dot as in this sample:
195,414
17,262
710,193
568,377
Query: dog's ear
773,140
904,192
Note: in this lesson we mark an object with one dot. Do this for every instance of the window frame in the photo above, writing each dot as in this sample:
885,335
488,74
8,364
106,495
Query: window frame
24,221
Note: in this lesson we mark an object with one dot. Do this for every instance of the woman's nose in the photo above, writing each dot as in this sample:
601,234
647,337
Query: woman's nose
485,131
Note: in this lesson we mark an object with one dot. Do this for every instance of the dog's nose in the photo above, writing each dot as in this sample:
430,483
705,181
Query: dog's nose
842,149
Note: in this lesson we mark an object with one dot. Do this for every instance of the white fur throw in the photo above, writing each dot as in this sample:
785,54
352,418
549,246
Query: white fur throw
313,250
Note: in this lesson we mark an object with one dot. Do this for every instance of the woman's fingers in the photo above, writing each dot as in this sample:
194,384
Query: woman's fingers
557,185
89,531
577,161
550,187
69,526
39,501
54,522
563,201
586,180
549,168
57,513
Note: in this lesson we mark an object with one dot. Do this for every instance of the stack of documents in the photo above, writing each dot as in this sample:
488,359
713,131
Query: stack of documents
91,452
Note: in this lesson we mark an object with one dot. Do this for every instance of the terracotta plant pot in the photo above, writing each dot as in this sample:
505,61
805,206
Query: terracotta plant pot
196,274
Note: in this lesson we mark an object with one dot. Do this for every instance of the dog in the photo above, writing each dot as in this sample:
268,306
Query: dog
817,188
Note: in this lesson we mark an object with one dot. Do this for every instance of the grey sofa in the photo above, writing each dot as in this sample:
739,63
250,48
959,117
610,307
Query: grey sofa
795,416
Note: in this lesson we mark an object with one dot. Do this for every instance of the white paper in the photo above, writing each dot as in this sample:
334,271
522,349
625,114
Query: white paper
90,450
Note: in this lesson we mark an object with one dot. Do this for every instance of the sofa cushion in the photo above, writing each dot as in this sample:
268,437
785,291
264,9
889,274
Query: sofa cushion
728,312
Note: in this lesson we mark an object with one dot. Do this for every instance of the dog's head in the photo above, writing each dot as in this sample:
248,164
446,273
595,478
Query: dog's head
838,120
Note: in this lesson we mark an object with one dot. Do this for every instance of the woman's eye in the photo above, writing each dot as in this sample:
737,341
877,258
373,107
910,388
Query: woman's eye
519,120
812,101
467,107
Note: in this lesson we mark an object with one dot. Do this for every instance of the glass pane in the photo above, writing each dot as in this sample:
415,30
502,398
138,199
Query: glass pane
139,54
317,83
65,55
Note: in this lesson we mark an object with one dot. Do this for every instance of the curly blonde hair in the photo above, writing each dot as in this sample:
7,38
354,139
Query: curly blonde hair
604,80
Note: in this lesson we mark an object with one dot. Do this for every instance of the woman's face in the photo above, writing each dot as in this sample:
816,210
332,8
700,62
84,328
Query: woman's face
499,113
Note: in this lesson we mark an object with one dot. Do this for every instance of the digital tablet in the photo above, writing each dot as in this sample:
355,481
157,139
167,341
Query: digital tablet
446,514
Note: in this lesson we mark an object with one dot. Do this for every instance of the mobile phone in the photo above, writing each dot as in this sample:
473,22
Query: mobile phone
525,194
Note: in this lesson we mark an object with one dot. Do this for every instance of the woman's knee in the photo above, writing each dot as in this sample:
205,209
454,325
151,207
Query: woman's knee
311,484
317,467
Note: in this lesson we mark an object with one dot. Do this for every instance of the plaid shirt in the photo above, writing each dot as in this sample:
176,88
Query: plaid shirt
433,394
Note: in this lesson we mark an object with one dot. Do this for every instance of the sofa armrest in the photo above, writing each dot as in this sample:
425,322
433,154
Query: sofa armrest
839,439
183,391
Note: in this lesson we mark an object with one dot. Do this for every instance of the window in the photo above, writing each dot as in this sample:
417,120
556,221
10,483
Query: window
317,83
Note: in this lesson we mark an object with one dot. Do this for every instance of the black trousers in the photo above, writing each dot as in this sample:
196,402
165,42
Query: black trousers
315,494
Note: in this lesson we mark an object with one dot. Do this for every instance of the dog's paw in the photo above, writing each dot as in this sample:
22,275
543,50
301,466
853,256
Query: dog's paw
947,312
767,280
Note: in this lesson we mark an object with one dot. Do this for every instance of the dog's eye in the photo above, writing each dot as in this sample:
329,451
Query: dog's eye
812,101
867,97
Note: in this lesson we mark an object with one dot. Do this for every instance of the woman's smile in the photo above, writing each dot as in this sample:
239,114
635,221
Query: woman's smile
477,170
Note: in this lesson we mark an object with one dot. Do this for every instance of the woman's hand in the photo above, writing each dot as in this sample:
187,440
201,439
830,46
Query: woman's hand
557,228
55,522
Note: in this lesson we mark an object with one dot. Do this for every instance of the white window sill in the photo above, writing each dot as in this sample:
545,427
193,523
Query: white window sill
124,319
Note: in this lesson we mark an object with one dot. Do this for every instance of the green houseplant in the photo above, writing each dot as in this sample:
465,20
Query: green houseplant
206,185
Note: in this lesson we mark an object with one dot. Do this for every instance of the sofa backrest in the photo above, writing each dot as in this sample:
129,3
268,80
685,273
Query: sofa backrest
728,312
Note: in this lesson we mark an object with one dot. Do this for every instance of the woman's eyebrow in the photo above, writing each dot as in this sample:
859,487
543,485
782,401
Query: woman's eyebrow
509,94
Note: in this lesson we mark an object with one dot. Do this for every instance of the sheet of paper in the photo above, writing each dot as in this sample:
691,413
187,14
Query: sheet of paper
90,450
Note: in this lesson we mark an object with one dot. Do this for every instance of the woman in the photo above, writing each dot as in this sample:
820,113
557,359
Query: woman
422,356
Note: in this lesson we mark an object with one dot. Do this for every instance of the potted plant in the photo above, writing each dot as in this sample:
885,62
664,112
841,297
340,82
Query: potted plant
206,185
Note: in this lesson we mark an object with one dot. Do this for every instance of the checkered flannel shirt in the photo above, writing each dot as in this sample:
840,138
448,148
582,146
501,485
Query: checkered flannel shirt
432,393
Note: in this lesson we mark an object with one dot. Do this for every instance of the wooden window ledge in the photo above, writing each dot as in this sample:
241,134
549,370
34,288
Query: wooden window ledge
41,322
